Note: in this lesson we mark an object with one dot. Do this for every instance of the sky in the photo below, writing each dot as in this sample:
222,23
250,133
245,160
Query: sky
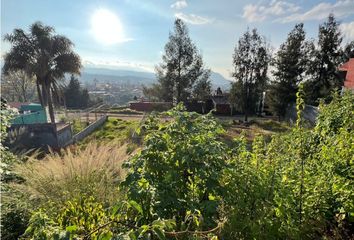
131,34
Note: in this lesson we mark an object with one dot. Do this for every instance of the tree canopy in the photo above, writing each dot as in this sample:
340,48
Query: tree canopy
182,69
250,61
290,63
45,55
75,96
326,58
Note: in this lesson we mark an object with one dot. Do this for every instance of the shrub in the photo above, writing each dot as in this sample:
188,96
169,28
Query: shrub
92,171
179,169
74,187
185,183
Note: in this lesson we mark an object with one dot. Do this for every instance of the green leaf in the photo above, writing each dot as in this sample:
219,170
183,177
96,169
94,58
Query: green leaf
136,206
160,234
71,228
105,236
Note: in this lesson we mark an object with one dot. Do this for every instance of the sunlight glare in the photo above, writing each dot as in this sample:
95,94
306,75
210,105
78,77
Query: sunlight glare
107,27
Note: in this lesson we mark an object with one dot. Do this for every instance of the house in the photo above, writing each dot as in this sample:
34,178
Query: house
221,105
347,70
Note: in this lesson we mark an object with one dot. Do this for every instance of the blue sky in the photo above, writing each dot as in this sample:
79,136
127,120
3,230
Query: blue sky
142,26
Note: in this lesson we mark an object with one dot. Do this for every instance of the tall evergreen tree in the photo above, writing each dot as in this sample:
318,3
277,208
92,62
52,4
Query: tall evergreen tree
202,88
250,60
327,57
181,69
290,64
75,96
72,93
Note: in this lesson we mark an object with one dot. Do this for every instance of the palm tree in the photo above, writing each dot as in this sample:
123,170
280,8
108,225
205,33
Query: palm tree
46,56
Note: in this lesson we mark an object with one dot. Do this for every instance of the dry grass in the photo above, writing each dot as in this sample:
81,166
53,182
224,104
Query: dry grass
253,128
92,171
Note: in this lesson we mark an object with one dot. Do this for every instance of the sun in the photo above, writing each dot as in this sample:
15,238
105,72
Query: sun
107,27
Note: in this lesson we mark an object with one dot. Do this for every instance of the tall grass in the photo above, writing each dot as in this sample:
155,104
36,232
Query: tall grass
93,171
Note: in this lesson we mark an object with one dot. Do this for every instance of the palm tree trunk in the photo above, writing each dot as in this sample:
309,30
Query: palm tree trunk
50,104
39,93
44,95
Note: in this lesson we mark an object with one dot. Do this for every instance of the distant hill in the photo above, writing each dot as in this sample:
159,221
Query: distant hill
118,72
217,80
135,77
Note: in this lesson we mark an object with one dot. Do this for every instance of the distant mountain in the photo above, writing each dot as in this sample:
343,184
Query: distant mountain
106,78
217,80
88,75
118,72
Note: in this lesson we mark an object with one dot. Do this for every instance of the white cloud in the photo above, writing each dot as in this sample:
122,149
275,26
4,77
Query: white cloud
321,11
193,19
179,4
348,30
257,12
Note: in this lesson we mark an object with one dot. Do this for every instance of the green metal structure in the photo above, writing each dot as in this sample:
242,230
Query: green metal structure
30,114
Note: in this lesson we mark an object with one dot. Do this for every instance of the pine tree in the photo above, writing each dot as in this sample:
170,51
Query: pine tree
181,69
72,93
75,96
202,88
323,68
290,65
250,60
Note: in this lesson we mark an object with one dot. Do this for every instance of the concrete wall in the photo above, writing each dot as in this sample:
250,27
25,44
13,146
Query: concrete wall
89,129
33,136
64,136
41,135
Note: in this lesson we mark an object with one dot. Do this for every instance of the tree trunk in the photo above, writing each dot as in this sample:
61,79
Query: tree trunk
50,104
39,93
246,102
44,95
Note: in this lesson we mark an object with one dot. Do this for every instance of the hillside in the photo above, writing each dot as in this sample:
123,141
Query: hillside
135,77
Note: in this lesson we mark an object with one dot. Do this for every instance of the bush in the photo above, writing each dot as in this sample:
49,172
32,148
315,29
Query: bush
178,171
92,171
186,183
300,185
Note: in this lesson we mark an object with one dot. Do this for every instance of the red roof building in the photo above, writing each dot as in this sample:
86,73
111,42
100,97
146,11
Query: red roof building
348,69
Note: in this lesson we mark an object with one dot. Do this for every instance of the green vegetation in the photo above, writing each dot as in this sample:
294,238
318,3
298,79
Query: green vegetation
290,65
74,187
186,183
44,55
122,110
181,75
78,126
252,129
75,96
114,130
250,60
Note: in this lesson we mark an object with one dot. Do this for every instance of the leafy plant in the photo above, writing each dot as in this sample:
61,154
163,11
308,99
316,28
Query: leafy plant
178,170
